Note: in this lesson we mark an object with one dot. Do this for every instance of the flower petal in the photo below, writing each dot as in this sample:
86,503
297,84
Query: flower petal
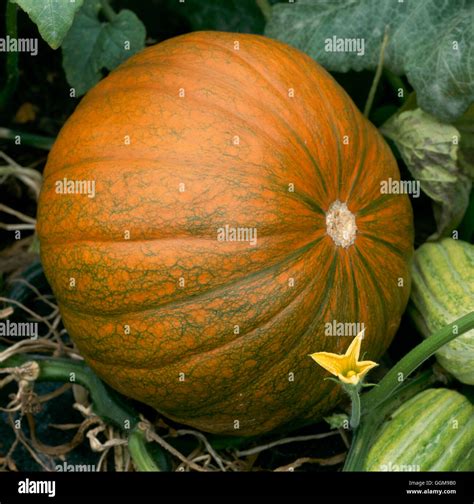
353,352
334,363
364,367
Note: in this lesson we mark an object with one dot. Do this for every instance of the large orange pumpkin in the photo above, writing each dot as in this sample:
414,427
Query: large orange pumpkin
194,144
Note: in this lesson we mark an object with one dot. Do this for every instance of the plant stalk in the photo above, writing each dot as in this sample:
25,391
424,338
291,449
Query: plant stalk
137,444
266,8
355,411
378,74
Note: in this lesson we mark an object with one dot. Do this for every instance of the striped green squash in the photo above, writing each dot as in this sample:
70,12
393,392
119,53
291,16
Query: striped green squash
442,291
433,431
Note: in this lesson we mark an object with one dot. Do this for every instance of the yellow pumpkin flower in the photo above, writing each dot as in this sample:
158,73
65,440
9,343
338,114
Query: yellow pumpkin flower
346,367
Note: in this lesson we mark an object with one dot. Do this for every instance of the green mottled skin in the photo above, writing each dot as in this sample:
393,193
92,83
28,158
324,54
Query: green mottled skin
443,290
433,431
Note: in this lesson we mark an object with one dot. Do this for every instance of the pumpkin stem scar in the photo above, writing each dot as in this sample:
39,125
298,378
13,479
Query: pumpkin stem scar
341,224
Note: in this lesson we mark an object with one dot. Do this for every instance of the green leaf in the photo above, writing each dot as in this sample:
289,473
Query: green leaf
53,17
92,46
430,152
242,16
430,41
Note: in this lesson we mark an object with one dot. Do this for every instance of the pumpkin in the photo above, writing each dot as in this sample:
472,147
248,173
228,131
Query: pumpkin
237,216
433,431
443,291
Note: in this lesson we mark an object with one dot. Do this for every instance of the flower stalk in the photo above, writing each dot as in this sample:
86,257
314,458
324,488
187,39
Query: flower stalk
354,393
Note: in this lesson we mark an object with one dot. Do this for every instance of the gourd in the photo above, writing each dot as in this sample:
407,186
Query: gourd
443,290
432,431
237,210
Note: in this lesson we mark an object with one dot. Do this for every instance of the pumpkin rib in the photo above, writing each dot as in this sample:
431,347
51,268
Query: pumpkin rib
385,243
191,298
91,160
323,305
324,302
308,201
264,373
86,161
375,283
243,120
204,238
235,340
299,195
249,97
60,231
259,371
272,140
360,167
356,287
131,322
248,64
355,114
370,175
313,205
97,269
278,93
376,204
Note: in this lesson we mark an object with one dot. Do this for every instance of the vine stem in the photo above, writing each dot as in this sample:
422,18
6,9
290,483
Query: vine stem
378,74
107,404
265,7
105,401
12,71
137,442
